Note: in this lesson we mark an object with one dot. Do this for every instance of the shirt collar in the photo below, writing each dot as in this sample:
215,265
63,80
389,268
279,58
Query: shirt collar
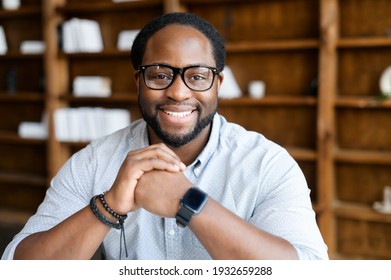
201,161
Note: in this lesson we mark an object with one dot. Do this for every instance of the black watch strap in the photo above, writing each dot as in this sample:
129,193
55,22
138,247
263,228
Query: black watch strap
183,216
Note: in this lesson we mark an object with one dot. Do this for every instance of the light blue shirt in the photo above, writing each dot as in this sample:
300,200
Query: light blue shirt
251,176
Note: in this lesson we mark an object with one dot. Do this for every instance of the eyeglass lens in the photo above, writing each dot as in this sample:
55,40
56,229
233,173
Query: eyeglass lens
161,77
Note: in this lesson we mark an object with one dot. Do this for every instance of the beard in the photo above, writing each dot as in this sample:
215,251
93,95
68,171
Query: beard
172,139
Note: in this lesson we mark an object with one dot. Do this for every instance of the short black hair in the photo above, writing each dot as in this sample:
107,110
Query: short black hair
188,19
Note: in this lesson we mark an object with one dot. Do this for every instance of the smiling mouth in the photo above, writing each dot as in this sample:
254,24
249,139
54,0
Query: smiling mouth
178,114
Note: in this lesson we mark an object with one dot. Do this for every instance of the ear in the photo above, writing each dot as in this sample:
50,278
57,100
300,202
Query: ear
220,78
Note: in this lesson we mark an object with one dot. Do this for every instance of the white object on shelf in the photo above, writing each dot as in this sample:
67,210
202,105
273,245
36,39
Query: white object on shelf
256,89
126,38
3,41
11,4
32,47
385,205
81,35
34,130
92,86
385,82
88,123
229,88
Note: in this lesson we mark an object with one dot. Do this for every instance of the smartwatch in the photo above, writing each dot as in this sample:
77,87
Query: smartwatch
191,204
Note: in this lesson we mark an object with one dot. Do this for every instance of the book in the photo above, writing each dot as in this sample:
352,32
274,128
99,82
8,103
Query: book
81,35
92,86
85,124
32,47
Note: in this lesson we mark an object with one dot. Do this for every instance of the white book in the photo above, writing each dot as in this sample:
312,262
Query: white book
100,121
90,37
32,47
61,124
84,133
74,124
92,86
71,36
33,130
69,44
116,119
82,35
3,41
91,123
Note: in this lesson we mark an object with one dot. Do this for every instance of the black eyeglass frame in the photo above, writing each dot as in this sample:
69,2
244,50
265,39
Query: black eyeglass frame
181,72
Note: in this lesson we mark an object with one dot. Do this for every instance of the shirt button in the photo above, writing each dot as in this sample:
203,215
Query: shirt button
171,232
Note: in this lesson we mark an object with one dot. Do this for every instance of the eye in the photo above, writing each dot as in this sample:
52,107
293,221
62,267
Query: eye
158,75
197,77
198,74
161,76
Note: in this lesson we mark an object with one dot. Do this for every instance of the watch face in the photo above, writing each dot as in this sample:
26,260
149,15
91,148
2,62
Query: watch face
194,200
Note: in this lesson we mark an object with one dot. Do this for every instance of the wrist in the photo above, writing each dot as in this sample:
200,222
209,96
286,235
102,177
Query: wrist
116,204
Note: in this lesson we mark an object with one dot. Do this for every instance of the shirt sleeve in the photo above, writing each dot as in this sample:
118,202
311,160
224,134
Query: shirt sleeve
285,209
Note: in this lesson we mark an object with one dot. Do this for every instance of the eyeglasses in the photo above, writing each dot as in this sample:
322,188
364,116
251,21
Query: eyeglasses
159,77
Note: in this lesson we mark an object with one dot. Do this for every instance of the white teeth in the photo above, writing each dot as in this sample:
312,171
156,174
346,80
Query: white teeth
178,114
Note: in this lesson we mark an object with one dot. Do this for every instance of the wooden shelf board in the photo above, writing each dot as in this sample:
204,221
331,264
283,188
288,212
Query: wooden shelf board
272,45
302,153
242,101
14,216
21,12
13,54
107,7
22,97
117,97
363,102
231,47
187,2
364,42
362,156
14,138
270,101
359,212
107,53
76,144
20,178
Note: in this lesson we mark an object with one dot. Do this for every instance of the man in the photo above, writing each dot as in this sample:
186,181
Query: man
182,183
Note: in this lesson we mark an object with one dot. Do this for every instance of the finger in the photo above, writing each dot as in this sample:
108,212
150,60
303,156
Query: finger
156,163
159,151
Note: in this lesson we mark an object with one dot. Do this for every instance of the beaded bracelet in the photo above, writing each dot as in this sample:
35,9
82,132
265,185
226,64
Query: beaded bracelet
107,222
111,211
101,217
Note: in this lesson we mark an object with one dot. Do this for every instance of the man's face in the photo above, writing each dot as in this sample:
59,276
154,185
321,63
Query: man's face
178,114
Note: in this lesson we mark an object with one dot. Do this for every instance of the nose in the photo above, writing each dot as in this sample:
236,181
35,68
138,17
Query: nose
178,91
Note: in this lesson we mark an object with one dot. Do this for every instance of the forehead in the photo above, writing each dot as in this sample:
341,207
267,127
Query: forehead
179,45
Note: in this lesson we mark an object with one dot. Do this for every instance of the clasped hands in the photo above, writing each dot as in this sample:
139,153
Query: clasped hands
151,178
